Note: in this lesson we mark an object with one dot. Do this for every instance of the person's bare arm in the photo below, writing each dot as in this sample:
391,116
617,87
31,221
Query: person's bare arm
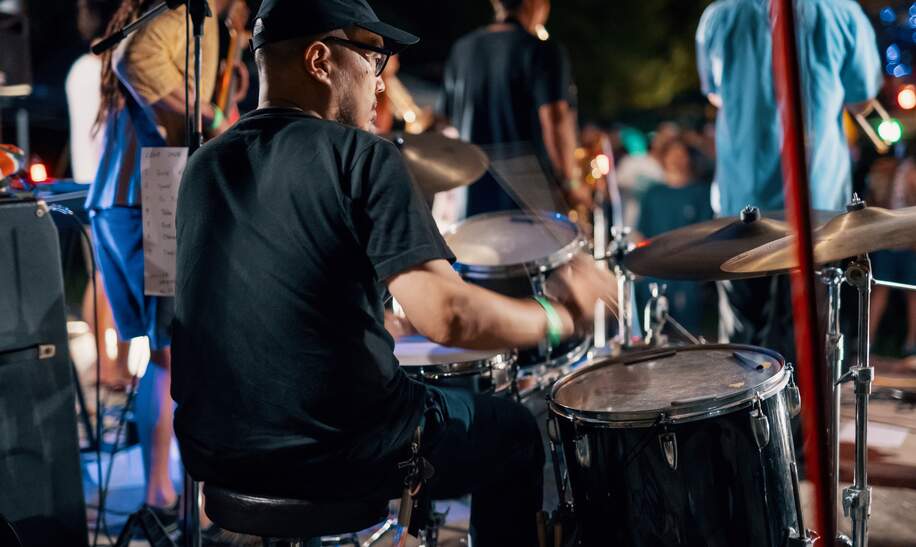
860,108
448,311
714,99
558,126
559,135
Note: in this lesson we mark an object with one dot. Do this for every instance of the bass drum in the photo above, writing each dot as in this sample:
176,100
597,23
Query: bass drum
677,447
512,253
478,371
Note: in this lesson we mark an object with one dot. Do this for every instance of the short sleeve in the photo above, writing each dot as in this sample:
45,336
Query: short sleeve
393,222
709,59
552,74
861,70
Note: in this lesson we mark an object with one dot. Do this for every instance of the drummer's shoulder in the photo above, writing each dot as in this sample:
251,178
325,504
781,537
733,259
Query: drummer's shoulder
347,143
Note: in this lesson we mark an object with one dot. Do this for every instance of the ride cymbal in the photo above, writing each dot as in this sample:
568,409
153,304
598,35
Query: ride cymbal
858,231
697,252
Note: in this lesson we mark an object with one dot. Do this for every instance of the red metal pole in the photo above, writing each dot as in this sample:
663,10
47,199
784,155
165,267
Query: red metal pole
811,366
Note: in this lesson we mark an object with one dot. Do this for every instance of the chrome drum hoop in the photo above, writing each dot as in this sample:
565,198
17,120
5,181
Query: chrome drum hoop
700,410
500,361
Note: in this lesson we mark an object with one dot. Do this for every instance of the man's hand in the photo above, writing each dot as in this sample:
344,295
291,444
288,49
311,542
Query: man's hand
579,285
580,196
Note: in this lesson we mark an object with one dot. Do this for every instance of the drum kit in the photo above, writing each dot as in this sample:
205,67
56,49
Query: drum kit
661,444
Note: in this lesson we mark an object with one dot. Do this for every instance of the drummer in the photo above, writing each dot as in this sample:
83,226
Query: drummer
291,226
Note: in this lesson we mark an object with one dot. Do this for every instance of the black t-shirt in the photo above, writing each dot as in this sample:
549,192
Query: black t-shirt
494,83
287,227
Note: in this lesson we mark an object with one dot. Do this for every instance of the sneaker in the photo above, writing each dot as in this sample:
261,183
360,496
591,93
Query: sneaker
167,516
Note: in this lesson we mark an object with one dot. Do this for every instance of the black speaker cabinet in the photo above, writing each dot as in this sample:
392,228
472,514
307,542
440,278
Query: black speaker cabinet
15,56
41,491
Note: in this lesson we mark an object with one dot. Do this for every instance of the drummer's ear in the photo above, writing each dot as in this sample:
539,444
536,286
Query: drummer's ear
317,61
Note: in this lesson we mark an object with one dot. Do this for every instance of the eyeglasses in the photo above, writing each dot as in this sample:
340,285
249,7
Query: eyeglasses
381,54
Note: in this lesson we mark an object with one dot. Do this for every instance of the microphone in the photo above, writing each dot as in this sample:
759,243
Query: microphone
12,160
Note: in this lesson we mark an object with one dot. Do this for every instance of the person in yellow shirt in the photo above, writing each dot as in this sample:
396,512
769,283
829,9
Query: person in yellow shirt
142,105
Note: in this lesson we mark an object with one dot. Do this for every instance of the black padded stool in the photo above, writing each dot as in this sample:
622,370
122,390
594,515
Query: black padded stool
289,521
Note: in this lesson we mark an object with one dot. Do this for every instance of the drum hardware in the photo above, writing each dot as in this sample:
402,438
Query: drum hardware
668,442
626,294
556,454
760,424
656,316
833,278
857,498
600,253
793,396
796,539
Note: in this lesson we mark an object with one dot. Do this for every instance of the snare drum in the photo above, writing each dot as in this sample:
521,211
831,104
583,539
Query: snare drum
679,446
479,371
512,253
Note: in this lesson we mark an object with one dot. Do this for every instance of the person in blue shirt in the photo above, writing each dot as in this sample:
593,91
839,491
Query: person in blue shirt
840,68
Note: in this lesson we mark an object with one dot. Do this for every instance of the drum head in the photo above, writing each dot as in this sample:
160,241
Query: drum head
513,238
670,384
416,351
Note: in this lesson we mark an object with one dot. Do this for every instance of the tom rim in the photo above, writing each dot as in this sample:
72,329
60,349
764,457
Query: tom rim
699,409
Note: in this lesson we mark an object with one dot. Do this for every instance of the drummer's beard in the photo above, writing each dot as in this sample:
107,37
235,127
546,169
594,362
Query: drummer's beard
349,111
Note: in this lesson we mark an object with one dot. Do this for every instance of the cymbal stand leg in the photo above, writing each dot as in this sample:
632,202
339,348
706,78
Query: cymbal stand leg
833,279
857,498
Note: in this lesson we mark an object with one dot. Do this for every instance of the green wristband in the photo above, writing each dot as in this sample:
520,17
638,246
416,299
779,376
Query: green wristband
554,323
218,117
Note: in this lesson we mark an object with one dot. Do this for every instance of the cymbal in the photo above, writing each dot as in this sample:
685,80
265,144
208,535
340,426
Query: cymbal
849,234
697,252
439,164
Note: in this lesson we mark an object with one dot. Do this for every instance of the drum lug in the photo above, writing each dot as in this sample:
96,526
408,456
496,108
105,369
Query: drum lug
668,443
760,424
552,432
583,453
793,397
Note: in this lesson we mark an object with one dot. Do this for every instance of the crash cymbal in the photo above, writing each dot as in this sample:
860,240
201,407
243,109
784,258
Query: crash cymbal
858,231
697,252
439,164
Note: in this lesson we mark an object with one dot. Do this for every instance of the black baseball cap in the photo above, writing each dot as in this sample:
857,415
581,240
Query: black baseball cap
279,20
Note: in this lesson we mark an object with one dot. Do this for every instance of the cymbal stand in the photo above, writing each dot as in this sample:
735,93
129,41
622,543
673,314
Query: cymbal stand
857,498
656,316
833,278
599,251
626,293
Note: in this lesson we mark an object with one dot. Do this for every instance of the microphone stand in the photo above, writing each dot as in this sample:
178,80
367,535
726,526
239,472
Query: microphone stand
198,10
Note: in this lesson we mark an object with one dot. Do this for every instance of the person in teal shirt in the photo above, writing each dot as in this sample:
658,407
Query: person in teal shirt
677,201
840,68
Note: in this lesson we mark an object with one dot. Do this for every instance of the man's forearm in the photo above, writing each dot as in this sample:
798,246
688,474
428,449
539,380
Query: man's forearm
485,320
559,133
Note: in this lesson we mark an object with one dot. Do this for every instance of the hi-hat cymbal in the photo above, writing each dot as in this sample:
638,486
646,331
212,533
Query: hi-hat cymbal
439,164
697,252
849,234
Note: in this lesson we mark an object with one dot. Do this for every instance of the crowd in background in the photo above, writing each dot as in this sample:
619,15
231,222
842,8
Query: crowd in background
666,178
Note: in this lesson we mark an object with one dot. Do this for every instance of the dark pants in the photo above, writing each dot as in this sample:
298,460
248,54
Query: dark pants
491,448
481,445
762,310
